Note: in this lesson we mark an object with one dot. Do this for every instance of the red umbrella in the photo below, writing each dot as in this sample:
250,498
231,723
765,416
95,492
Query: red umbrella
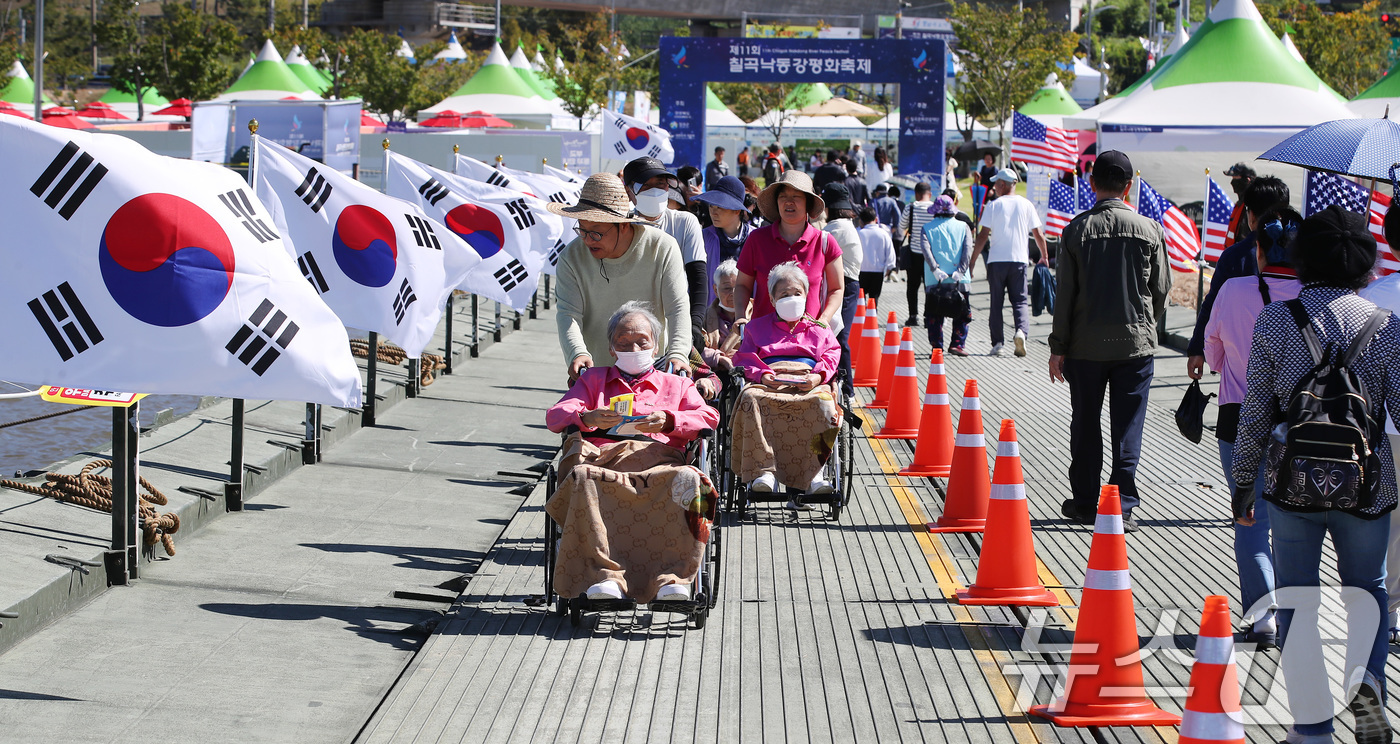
369,121
65,119
178,107
472,120
100,110
9,108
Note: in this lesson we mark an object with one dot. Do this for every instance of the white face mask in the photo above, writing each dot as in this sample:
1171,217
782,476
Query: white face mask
635,362
791,308
726,308
652,202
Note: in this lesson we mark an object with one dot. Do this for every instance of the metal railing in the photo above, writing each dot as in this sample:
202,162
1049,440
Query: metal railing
454,15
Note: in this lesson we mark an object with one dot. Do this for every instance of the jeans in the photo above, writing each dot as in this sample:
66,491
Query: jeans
1009,278
848,316
934,323
1360,545
1254,558
1127,382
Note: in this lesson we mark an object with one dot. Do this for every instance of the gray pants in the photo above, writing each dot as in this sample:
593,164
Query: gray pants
1009,278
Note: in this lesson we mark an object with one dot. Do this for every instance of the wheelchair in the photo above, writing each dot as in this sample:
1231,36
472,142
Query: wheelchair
705,588
840,467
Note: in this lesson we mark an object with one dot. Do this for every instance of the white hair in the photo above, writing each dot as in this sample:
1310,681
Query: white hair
630,308
789,271
727,269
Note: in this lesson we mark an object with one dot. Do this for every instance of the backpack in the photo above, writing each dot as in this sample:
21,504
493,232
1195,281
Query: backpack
1325,459
772,168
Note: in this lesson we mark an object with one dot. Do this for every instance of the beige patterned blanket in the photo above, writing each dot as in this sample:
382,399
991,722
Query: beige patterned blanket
783,431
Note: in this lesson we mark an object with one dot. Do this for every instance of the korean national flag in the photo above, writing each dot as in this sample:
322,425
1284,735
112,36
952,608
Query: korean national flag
626,138
379,262
545,187
130,271
510,231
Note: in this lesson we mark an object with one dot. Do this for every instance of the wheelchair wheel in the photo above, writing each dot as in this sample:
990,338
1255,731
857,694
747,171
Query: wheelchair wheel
714,574
561,607
701,616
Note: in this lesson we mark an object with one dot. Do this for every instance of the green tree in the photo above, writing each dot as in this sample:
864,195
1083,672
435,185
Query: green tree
591,69
120,39
1127,61
190,54
371,71
1349,51
1006,55
68,50
750,101
438,80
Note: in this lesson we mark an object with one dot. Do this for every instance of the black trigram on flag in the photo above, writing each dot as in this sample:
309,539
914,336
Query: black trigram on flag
520,212
423,232
263,338
654,151
312,272
314,190
511,275
432,191
65,321
72,164
497,179
621,147
559,197
402,300
556,252
237,202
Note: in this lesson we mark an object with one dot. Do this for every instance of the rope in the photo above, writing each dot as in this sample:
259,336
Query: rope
95,492
391,354
32,419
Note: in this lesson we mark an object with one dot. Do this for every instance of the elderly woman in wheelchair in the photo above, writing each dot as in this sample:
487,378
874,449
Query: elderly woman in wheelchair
787,419
634,515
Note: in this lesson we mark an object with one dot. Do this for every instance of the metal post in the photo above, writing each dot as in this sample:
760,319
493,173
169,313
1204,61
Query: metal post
515,319
410,388
476,327
318,431
308,440
496,332
116,558
133,498
233,490
367,415
38,60
546,291
447,340
534,304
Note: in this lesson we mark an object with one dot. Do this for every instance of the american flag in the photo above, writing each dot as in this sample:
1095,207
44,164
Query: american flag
1035,143
1061,209
1182,243
1385,258
1322,190
1217,222
1085,196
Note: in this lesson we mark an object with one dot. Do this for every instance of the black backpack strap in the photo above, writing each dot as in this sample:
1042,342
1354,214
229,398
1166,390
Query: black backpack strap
1300,316
1373,324
1264,289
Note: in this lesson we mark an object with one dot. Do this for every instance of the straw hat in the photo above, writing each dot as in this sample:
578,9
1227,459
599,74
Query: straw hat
768,198
602,199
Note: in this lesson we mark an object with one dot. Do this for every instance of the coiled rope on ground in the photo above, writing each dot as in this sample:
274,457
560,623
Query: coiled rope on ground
391,354
95,492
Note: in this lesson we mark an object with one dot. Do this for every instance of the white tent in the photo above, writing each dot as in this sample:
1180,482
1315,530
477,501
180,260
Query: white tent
497,89
1292,48
453,52
405,51
1087,81
268,79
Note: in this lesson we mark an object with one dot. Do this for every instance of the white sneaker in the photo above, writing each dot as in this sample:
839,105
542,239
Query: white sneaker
1293,737
820,485
996,349
605,590
796,505
1020,340
673,593
764,483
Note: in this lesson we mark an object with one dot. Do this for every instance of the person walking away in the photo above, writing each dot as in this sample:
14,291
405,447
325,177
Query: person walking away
950,171
1007,226
855,186
988,170
1113,283
915,217
1326,345
1241,175
886,207
840,224
1267,194
1385,293
857,156
1229,334
742,160
878,260
729,226
958,214
947,253
881,173
650,187
716,169
773,164
829,172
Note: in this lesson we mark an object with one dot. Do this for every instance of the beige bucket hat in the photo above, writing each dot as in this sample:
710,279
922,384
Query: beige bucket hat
603,198
768,198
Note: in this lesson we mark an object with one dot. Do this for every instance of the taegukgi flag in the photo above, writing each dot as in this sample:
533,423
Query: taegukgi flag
126,270
542,186
512,232
626,137
379,262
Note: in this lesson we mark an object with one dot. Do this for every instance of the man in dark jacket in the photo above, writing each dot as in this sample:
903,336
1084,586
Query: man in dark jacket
1113,284
855,186
831,172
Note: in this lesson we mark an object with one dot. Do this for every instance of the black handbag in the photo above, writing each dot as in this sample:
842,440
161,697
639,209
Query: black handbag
947,300
1190,415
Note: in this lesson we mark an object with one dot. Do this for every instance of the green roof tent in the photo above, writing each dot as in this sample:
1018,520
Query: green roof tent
717,114
1051,99
19,88
303,69
527,73
497,89
806,94
269,79
114,97
1381,99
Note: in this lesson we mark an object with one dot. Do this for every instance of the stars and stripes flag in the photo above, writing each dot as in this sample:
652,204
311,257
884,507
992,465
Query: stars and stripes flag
627,138
380,263
1085,198
1217,219
545,186
131,271
1375,212
1183,245
1035,143
1322,190
1061,209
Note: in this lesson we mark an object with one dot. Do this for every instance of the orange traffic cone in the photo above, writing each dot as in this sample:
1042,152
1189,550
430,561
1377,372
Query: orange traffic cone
965,507
1006,572
889,362
933,457
869,374
902,418
1109,690
1212,714
856,339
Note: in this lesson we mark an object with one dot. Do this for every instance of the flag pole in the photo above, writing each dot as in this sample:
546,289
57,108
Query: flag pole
545,162
233,489
1201,259
410,385
447,332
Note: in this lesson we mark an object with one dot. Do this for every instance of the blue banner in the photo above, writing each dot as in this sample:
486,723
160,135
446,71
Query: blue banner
917,65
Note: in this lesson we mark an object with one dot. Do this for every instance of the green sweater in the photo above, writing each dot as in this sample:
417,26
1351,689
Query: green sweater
591,289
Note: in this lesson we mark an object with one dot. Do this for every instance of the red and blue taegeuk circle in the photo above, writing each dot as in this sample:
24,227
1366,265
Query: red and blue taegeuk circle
165,261
637,138
365,246
479,226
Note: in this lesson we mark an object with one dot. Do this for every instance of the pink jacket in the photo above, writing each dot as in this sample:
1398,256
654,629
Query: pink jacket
769,336
1230,330
654,390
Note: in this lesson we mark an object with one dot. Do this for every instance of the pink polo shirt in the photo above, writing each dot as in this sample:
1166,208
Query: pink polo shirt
654,390
769,337
765,248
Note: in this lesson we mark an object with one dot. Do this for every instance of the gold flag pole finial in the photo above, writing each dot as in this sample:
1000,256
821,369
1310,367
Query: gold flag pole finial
253,126
456,149
385,143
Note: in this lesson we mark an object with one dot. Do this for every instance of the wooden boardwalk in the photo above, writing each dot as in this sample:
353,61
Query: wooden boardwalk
846,631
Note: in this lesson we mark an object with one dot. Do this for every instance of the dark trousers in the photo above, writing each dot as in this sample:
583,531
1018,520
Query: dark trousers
1009,280
914,278
872,282
934,324
1127,382
848,316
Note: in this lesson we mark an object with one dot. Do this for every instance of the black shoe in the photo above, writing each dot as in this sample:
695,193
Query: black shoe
911,323
1372,725
1263,640
1074,513
1129,524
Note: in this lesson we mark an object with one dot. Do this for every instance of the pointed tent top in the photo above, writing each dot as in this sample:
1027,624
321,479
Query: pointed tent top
1051,99
521,65
807,94
17,71
453,51
518,59
296,57
1178,41
712,101
1229,10
496,77
537,62
18,88
151,97
497,56
302,68
268,53
269,78
405,50
1292,49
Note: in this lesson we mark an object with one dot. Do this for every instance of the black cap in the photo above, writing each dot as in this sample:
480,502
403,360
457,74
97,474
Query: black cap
1111,161
644,169
1240,170
881,189
837,197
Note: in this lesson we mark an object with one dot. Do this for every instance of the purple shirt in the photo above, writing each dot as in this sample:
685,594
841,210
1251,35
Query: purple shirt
765,248
769,336
1230,330
654,390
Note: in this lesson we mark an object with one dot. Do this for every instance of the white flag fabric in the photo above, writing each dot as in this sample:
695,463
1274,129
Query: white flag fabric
626,138
131,271
379,262
563,175
512,232
539,185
